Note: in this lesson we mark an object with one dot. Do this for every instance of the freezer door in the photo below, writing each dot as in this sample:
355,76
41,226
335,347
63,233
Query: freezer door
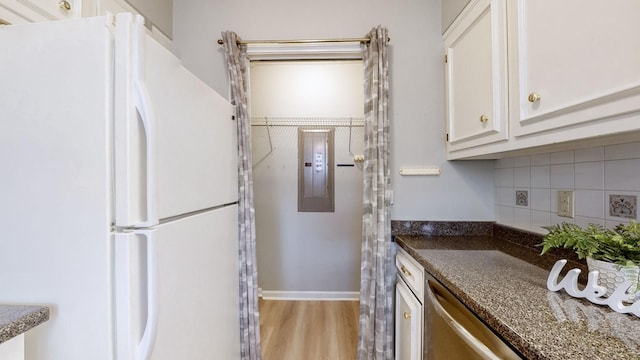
177,289
175,136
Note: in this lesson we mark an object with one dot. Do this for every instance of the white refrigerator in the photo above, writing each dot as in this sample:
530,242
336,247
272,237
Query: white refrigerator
118,195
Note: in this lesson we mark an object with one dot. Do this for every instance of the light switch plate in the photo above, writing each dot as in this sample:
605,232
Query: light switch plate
565,203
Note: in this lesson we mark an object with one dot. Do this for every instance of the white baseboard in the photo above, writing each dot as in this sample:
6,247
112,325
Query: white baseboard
311,295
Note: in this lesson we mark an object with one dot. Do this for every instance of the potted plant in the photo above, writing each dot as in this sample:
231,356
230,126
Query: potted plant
614,253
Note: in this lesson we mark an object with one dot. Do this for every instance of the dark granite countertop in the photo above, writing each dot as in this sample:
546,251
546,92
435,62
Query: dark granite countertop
17,319
502,278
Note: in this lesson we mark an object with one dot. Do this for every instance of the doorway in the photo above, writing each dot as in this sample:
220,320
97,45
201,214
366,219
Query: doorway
308,261
306,254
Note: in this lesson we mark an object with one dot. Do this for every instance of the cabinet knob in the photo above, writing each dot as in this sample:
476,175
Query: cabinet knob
533,97
484,118
405,271
65,5
407,315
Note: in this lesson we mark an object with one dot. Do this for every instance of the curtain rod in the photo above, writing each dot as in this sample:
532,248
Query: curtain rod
301,41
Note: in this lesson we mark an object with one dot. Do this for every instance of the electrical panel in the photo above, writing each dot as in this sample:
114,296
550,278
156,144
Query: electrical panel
315,170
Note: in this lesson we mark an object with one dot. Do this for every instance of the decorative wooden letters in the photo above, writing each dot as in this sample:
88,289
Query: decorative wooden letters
592,291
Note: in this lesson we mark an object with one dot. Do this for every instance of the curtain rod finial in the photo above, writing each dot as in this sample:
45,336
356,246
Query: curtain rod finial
220,42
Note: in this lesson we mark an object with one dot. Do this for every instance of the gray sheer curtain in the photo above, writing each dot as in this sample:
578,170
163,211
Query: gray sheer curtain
238,66
376,285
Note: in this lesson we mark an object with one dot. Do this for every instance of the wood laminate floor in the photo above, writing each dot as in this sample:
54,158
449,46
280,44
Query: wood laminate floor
308,330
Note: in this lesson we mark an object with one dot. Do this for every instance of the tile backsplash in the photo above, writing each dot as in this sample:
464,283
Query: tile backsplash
599,177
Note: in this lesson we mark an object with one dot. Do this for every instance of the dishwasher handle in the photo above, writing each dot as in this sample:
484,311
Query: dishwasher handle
483,351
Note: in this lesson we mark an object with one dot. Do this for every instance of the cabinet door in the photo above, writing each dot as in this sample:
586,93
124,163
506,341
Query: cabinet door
409,322
476,76
572,62
13,349
25,11
8,15
54,9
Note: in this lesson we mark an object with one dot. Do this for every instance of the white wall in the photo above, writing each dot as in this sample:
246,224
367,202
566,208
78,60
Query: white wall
464,191
593,174
450,10
307,89
306,251
159,12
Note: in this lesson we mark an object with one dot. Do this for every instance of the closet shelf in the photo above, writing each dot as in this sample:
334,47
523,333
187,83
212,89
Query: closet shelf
308,121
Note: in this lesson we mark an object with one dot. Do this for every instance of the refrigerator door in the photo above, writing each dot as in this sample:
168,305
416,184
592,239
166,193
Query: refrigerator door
177,289
175,137
55,197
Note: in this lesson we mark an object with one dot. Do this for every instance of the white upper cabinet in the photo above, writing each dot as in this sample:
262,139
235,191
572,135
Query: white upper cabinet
572,76
572,62
24,11
54,9
476,76
27,11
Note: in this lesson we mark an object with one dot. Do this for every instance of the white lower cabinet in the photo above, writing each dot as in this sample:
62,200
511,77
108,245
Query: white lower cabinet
409,322
13,349
409,313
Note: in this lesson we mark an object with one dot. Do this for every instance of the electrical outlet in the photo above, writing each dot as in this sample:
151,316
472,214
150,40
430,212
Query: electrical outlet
565,203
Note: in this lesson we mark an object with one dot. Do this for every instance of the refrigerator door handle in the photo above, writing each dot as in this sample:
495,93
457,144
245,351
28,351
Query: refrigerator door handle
135,174
142,104
136,288
145,346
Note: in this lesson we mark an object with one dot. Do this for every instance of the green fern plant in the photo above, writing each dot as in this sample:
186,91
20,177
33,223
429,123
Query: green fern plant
619,246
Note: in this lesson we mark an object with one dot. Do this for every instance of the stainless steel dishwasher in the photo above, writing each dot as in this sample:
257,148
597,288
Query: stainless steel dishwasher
451,331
